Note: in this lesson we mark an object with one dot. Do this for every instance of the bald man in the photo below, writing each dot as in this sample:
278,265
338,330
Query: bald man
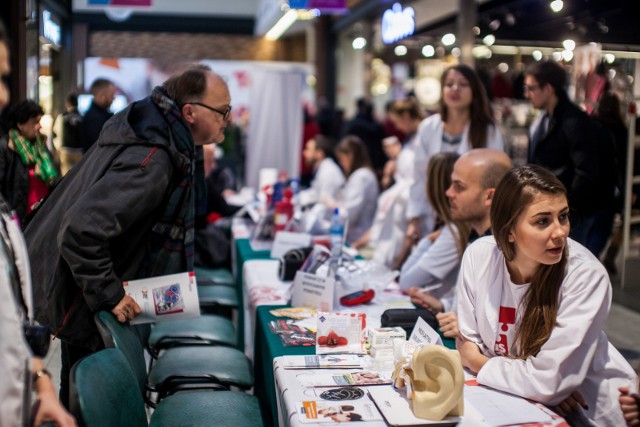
474,179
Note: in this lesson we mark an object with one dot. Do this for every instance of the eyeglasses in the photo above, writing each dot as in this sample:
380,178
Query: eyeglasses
530,88
225,114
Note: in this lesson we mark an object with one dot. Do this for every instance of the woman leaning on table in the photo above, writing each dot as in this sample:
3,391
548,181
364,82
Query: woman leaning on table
533,303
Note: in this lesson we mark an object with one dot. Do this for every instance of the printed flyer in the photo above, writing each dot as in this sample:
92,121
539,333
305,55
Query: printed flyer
161,298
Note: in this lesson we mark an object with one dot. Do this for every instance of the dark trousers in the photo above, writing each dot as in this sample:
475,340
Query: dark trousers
70,355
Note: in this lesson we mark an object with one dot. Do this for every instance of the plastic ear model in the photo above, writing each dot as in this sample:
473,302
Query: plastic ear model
437,383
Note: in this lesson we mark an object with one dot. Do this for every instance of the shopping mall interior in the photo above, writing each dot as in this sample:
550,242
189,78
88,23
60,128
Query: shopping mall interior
287,60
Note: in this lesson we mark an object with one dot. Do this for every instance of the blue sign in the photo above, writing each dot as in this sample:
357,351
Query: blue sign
398,23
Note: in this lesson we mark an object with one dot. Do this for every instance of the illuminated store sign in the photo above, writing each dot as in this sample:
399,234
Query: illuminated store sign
398,23
50,29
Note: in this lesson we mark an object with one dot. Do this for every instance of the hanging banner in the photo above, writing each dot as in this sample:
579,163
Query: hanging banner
324,6
128,3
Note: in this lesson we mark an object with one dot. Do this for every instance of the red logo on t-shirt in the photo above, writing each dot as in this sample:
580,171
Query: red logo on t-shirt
506,317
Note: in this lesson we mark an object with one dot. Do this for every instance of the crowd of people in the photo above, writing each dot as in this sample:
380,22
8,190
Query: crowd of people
505,258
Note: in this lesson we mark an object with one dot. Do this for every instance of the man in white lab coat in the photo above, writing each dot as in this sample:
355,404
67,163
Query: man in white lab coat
327,175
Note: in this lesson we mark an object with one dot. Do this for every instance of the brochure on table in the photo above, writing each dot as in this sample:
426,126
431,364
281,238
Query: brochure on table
161,298
332,412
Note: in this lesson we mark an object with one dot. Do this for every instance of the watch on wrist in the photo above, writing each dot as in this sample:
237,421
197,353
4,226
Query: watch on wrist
40,373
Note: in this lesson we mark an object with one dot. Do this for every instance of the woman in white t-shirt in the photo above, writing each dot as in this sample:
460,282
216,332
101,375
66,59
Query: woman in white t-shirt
359,195
532,305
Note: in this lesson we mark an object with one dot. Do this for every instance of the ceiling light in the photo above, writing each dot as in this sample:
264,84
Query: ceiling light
476,31
567,55
556,5
428,51
557,56
282,25
537,55
448,39
456,52
510,19
503,67
609,57
494,25
400,50
489,39
359,43
569,44
481,52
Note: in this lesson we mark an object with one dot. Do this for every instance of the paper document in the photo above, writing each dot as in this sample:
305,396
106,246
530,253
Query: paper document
161,298
323,361
398,410
500,409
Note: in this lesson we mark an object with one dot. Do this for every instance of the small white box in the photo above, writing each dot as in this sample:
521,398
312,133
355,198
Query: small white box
381,353
383,337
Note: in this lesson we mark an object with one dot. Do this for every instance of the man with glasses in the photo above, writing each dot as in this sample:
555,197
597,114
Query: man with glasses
564,140
126,211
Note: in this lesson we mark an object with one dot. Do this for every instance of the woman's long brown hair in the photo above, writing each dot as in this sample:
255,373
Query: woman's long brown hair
438,181
512,196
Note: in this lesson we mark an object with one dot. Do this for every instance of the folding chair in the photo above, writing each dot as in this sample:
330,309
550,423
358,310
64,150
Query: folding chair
104,394
188,367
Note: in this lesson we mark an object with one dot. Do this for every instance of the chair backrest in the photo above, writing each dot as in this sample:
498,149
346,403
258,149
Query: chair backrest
122,337
104,392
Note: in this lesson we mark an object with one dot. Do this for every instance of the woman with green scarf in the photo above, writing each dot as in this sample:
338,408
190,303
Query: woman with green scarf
27,171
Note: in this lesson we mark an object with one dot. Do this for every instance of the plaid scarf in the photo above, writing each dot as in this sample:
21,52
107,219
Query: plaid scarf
34,153
172,237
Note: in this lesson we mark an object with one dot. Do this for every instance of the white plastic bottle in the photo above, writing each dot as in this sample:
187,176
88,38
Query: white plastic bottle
336,240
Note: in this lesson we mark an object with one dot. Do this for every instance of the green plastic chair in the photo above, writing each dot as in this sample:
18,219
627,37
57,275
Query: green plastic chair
214,276
217,295
208,329
104,394
176,368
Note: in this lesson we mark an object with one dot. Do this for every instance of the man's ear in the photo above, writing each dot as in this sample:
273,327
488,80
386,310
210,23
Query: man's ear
489,195
188,113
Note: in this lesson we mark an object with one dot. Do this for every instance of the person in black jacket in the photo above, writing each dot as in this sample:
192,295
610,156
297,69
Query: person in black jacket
104,92
126,211
564,140
27,169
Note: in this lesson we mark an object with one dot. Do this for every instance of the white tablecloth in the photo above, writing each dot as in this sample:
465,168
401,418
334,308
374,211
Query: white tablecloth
262,286
289,391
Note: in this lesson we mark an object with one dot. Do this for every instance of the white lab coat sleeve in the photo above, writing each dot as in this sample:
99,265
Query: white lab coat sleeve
329,179
494,139
427,130
562,363
431,262
354,194
466,294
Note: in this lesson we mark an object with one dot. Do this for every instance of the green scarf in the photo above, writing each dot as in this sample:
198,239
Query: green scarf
35,153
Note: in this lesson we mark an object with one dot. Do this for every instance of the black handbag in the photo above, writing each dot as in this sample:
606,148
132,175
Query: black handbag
406,318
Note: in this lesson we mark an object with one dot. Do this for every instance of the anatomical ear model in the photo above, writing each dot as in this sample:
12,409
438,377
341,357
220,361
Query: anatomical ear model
434,380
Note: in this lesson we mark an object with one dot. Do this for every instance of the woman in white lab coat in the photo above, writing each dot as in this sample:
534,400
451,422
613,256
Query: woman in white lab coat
360,193
532,305
464,122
